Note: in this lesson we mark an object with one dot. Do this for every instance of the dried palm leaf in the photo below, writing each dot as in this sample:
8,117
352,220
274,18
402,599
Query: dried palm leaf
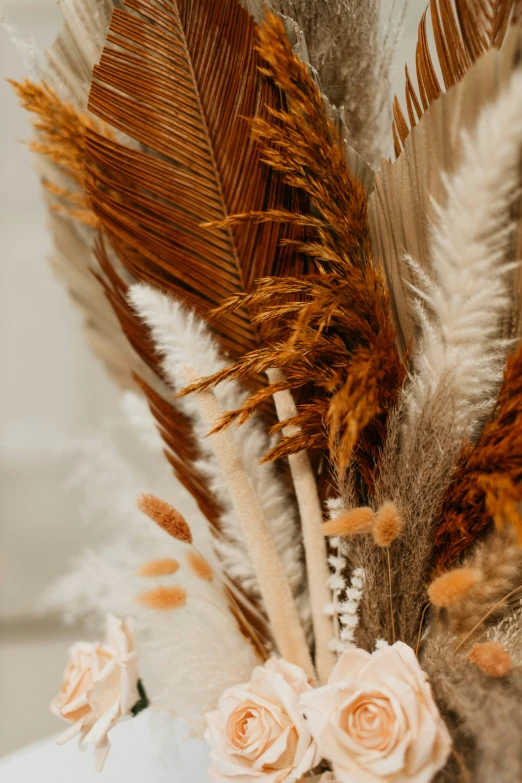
463,32
488,478
189,104
401,208
337,337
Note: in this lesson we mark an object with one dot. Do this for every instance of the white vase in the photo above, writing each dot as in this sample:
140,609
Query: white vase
150,748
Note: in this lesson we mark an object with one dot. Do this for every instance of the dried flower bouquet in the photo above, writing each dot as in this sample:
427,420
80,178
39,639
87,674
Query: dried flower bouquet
329,345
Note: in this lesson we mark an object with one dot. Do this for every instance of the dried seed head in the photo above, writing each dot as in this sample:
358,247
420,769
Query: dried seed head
452,587
164,515
200,566
164,598
387,524
491,658
350,523
160,567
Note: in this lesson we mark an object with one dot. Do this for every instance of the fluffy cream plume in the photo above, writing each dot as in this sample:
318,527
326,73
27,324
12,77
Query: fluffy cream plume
184,340
187,656
460,309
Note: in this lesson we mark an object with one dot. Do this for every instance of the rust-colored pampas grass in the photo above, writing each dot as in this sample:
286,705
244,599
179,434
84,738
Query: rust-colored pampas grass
164,515
163,598
488,479
61,137
491,658
352,522
331,331
161,567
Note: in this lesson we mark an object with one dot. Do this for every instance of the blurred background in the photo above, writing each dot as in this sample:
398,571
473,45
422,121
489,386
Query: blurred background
52,392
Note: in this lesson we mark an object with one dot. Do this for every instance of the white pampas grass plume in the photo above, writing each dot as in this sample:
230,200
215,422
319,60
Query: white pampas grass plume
183,340
187,656
460,308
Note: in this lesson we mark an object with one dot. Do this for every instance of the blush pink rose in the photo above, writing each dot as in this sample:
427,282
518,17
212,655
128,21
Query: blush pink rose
376,719
100,686
258,731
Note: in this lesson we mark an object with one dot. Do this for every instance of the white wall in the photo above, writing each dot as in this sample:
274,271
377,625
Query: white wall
51,390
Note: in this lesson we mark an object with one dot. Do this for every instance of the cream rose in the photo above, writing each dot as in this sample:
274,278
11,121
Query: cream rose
258,731
376,719
100,686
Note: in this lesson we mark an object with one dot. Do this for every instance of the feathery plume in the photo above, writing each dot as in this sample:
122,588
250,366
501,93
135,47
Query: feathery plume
200,566
488,479
161,567
491,658
164,598
352,522
332,331
164,515
461,309
452,587
387,524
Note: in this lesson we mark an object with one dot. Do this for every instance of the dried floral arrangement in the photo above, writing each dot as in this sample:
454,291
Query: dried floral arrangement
319,351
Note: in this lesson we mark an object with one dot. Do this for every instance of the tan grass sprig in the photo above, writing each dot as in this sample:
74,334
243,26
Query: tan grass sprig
331,332
164,599
200,566
499,561
164,515
162,567
488,480
450,588
491,658
352,522
387,524
61,138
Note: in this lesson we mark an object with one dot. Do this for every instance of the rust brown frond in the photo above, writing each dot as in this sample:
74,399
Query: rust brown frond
463,32
488,479
332,332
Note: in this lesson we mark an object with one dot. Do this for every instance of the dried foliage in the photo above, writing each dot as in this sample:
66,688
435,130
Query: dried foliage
189,106
352,522
164,515
453,586
61,138
498,559
488,479
351,47
415,469
200,566
332,334
462,34
387,524
164,598
491,658
482,714
161,567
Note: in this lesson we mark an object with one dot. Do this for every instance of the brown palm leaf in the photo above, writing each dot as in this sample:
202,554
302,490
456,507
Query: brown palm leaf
463,32
182,78
333,336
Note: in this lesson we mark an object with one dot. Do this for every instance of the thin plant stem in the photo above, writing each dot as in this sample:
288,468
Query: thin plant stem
394,638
